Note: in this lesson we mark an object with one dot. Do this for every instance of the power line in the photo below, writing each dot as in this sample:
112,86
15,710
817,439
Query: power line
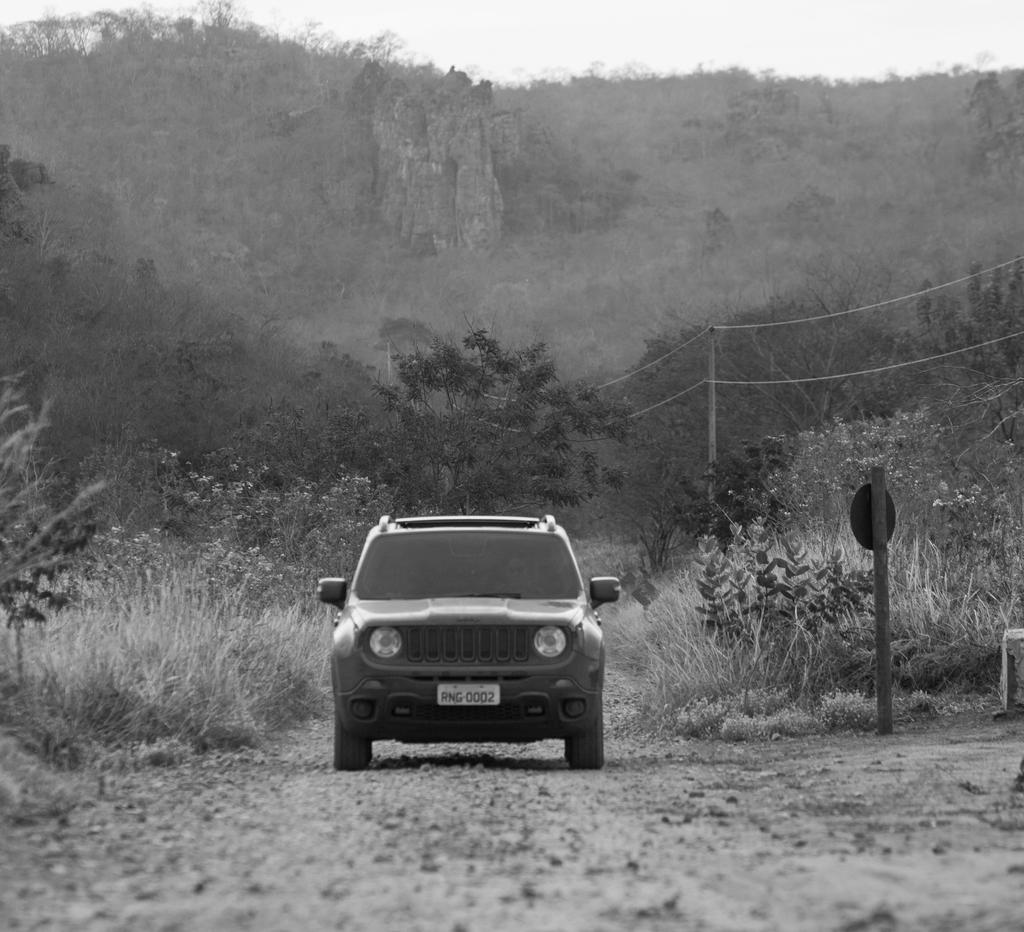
847,375
654,362
827,378
867,307
665,401
805,320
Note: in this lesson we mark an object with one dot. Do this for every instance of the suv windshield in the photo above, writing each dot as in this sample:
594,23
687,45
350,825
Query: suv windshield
449,564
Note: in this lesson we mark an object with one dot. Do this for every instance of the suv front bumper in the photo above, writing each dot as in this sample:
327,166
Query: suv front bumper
532,708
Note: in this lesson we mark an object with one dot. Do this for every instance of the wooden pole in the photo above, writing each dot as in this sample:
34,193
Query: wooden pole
880,549
712,416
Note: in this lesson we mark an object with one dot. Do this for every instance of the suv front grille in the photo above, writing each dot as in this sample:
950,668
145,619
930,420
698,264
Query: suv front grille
467,643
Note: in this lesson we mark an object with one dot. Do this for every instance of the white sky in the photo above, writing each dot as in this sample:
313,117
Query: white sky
511,40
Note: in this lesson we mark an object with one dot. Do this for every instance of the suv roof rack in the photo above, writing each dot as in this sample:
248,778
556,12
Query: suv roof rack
428,521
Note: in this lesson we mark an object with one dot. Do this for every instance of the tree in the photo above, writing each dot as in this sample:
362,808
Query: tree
985,385
483,428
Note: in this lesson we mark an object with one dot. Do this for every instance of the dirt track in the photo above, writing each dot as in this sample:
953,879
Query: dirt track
923,830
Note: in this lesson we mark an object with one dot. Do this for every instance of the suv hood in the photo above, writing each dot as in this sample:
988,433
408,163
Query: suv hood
447,611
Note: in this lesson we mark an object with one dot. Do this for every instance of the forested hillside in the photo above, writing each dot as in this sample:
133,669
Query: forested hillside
241,161
215,233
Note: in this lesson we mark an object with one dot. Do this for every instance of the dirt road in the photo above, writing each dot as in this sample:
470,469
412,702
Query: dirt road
922,830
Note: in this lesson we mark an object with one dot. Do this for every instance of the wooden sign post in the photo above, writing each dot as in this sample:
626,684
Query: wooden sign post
883,653
873,518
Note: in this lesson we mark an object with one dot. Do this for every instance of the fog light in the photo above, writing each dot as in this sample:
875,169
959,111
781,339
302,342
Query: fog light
362,708
574,708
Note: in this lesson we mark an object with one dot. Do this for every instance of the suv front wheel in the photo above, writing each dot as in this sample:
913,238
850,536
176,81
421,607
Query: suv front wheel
586,751
351,752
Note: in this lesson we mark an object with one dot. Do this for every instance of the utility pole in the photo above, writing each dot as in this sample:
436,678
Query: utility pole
712,416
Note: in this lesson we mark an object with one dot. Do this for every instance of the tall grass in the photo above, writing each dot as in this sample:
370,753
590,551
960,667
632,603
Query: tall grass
165,657
945,631
949,614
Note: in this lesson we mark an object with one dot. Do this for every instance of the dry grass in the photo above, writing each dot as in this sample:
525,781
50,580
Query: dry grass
668,648
140,661
946,634
154,660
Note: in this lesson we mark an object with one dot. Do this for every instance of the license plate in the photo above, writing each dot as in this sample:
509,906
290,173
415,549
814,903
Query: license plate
468,694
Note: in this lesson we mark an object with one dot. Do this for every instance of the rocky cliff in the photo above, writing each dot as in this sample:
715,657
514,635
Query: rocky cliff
16,175
437,148
10,197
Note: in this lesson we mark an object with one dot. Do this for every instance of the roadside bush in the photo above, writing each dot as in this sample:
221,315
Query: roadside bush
795,616
786,723
918,703
765,618
768,579
766,714
191,623
737,718
764,702
843,711
165,658
247,529
702,717
827,464
962,498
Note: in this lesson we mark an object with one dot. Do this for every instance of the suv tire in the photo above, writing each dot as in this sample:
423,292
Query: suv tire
351,752
586,751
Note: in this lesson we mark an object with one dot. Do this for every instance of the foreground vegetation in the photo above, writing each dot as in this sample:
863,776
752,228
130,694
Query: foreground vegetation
800,668
182,654
203,632
146,658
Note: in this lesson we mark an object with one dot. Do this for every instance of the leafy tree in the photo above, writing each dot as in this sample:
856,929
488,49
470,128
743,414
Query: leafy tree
999,120
985,387
484,428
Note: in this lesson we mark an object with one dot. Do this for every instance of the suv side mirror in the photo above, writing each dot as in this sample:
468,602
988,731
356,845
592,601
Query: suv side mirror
332,591
604,589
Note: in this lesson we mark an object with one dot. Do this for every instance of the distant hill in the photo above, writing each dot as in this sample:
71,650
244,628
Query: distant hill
613,208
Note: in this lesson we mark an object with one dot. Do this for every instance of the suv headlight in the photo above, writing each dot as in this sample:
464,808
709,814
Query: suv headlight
549,641
385,642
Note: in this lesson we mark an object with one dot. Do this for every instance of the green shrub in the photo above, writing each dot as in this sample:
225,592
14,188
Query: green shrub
241,513
791,722
765,701
702,717
843,711
743,728
759,715
828,464
918,703
761,578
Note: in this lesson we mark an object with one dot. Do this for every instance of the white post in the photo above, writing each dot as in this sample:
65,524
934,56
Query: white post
1013,669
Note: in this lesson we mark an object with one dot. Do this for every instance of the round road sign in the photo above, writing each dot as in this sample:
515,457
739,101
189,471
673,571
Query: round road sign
860,516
